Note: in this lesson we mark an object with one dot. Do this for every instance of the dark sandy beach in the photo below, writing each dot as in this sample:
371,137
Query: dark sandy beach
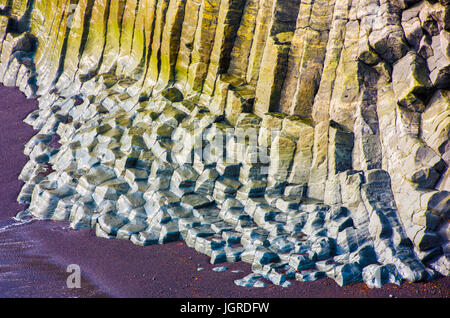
34,256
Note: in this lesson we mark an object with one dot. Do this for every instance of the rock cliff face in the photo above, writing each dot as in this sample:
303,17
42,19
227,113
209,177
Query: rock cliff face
308,138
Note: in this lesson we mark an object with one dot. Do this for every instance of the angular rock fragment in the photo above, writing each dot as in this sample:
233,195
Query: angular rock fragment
411,82
111,222
308,139
377,276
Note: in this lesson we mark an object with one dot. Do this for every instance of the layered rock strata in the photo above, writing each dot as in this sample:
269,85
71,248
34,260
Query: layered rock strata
308,138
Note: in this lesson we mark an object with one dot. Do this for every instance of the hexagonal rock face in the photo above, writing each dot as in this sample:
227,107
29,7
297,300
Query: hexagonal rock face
439,204
436,123
411,82
310,139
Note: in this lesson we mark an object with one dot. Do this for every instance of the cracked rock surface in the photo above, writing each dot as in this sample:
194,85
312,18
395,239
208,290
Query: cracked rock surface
307,138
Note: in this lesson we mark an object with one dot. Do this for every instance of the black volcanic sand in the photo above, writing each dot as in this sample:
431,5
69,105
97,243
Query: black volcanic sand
34,256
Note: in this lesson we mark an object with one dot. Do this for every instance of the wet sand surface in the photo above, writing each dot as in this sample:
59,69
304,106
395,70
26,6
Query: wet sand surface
34,256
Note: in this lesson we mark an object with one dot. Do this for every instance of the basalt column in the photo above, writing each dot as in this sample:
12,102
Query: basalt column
309,138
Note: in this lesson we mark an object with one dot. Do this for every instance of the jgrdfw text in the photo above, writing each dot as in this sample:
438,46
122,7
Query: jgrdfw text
227,308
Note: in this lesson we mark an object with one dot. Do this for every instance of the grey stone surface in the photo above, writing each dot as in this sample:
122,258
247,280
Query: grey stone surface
316,145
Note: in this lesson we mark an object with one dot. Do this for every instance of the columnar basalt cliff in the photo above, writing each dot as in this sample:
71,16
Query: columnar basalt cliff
309,138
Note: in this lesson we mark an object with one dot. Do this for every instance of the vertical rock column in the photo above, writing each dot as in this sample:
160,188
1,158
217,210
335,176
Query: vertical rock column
95,41
322,101
112,37
203,45
76,37
171,39
155,58
187,41
131,39
240,53
230,14
275,57
55,51
306,58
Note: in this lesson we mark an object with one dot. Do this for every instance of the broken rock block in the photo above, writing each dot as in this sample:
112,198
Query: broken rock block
387,37
110,190
309,275
436,121
281,156
273,69
439,64
169,232
126,231
128,202
183,180
271,125
147,237
173,94
236,125
377,275
251,280
252,189
439,204
83,214
346,274
425,166
239,100
45,199
264,256
302,160
196,201
411,82
205,182
426,240
225,188
300,262
111,222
